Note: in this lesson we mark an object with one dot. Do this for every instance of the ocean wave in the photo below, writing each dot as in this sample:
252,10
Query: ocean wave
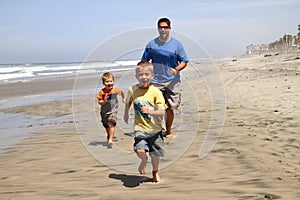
28,72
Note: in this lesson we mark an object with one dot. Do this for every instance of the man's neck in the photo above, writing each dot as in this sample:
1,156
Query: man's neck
164,40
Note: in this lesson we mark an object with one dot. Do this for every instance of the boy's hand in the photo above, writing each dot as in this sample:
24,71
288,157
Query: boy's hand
106,97
145,110
104,100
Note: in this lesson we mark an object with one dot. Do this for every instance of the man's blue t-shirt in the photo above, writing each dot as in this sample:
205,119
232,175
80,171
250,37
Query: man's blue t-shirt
163,56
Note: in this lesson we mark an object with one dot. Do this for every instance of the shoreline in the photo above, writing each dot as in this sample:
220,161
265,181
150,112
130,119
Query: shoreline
36,87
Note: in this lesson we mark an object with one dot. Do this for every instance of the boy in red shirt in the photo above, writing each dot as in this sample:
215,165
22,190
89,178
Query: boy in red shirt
107,98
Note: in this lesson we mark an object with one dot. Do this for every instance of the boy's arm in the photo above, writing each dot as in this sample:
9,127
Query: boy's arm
159,105
126,112
146,110
103,101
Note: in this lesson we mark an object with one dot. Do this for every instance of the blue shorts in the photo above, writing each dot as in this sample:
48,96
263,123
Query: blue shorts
152,143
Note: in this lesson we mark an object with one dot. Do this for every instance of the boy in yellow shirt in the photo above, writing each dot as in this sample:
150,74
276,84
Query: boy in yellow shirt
149,107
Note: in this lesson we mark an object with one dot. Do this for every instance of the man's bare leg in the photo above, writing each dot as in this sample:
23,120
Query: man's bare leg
169,121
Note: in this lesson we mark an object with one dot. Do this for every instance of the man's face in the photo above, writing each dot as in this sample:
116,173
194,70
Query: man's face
164,30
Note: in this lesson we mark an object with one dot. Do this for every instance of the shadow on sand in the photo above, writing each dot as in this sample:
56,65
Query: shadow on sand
130,180
105,144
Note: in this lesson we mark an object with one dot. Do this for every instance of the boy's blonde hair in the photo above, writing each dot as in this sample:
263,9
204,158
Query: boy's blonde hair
144,64
107,75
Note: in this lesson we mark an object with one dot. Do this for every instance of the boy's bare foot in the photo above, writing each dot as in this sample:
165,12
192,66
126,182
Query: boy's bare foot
110,142
156,177
142,166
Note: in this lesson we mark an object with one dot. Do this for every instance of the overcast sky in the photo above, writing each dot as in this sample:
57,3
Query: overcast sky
68,30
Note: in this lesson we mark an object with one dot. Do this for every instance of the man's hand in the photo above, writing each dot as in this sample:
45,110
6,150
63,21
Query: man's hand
173,71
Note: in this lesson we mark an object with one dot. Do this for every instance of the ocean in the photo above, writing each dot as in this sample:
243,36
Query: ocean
27,72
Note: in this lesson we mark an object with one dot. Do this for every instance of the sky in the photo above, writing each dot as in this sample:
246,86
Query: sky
35,31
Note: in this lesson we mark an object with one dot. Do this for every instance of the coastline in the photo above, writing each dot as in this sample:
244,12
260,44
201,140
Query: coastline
257,153
36,87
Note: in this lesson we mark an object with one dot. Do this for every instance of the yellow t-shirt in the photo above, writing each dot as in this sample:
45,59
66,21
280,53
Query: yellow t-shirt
151,97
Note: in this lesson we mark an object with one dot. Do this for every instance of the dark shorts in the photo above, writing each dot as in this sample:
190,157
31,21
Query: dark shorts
152,143
108,119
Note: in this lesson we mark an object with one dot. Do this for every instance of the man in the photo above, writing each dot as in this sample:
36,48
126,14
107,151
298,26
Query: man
168,58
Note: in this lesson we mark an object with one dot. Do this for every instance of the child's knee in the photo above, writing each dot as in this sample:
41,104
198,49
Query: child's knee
140,151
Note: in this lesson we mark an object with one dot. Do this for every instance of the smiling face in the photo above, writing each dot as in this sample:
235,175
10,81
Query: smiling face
144,75
108,83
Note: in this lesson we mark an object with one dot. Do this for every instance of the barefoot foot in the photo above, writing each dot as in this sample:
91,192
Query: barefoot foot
156,177
110,142
142,167
167,135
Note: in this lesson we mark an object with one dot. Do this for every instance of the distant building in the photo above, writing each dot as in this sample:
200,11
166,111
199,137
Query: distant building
257,49
287,42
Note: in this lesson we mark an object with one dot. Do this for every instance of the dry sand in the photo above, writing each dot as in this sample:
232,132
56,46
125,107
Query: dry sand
257,154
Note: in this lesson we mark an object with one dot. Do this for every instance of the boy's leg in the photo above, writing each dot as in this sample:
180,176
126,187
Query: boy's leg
155,164
143,156
105,124
110,133
111,123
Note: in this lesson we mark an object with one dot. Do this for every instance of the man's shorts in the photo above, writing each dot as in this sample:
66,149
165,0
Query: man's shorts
170,91
108,119
152,143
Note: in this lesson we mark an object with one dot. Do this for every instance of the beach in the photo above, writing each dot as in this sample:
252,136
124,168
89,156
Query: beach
252,102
